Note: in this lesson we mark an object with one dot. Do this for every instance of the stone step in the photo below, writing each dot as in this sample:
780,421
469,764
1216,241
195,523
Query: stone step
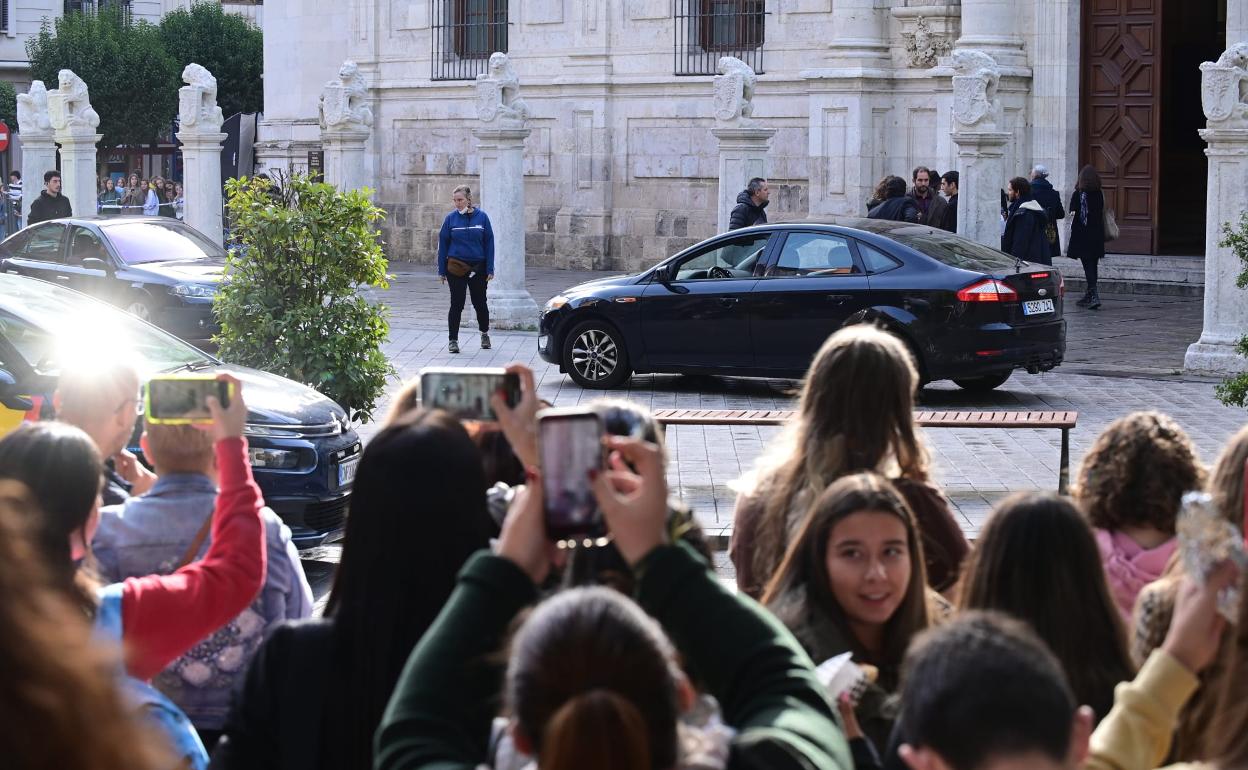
1141,274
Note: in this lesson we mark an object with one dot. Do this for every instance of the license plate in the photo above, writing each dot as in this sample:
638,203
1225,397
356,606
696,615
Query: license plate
541,342
346,470
1038,307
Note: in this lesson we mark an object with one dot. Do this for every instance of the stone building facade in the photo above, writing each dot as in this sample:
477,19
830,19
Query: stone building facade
621,165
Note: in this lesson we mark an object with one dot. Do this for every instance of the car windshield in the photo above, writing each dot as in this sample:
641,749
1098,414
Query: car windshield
159,241
954,251
51,327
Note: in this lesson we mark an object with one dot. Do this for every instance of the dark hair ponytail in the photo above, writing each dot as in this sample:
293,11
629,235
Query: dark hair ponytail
597,728
591,682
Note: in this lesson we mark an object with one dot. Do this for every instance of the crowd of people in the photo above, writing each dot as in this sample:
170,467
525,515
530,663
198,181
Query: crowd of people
170,609
133,196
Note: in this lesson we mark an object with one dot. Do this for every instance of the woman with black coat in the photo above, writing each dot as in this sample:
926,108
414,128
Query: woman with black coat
1087,231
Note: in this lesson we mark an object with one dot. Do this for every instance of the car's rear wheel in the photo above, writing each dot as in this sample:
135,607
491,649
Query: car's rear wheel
594,356
983,384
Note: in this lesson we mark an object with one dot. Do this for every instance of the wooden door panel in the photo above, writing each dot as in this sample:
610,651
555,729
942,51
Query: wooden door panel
1119,121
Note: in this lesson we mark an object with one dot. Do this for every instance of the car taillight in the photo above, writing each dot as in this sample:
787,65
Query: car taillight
988,290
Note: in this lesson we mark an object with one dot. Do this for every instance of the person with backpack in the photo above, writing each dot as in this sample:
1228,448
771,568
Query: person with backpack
1087,232
1025,222
156,617
1051,201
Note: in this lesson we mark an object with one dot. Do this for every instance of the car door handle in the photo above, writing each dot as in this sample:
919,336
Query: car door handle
839,298
729,301
62,278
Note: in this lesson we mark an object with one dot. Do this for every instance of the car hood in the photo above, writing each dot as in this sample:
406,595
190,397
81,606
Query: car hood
203,271
274,400
611,280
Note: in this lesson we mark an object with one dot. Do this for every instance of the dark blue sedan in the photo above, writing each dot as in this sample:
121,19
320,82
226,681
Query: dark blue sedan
302,447
760,301
159,269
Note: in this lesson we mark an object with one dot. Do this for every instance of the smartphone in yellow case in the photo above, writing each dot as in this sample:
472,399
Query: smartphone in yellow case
181,399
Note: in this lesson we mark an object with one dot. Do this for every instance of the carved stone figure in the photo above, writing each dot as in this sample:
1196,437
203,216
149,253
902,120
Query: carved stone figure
975,103
197,101
69,106
32,110
498,93
344,101
734,92
1224,88
924,47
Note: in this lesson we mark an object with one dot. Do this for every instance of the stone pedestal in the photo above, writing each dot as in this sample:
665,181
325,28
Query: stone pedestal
345,162
501,152
981,166
742,156
78,170
201,159
38,158
1226,305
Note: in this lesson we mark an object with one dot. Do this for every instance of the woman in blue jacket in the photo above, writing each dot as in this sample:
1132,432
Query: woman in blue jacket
466,262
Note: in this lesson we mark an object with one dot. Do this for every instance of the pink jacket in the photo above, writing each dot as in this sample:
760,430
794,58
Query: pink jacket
1129,567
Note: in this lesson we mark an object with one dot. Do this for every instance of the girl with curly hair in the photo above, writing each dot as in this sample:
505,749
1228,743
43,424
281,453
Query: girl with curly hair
1130,486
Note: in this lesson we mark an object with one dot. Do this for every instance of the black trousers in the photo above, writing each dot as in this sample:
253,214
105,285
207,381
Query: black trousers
1089,272
473,284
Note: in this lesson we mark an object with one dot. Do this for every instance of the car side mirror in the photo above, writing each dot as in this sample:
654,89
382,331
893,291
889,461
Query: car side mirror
10,398
95,263
664,274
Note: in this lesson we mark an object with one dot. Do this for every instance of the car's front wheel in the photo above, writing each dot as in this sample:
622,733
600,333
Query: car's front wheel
983,384
594,356
140,310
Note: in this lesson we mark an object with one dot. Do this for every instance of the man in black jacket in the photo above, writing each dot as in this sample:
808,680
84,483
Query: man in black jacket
1024,229
50,204
1051,201
750,204
897,206
929,203
949,186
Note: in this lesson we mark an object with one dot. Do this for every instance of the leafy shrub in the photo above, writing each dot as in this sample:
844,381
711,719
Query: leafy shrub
229,45
1234,390
291,303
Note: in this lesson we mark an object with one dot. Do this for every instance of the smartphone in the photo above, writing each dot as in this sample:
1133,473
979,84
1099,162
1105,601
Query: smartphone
569,445
182,399
465,392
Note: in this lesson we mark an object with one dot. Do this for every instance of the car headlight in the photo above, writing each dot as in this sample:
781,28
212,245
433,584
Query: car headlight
280,459
193,290
556,302
267,431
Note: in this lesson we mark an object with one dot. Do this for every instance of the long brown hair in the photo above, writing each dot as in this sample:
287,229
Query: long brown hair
1227,484
1229,734
1137,473
805,564
592,682
1089,180
855,413
1037,560
58,700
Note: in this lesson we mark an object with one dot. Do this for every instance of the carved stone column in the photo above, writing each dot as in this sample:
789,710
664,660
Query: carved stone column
859,36
199,122
992,26
742,156
74,123
982,173
1226,305
501,152
35,136
345,161
346,125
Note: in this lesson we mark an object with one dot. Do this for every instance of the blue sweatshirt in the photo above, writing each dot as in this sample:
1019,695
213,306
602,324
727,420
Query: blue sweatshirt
468,238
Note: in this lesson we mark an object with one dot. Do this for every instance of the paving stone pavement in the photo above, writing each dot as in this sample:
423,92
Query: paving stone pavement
1125,357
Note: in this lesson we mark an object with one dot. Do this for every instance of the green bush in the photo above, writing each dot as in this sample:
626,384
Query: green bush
133,81
1234,390
291,304
8,104
230,46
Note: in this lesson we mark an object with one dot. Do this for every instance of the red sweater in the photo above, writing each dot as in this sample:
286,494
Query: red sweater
163,616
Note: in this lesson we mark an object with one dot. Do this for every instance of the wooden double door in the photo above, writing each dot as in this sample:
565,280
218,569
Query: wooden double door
1140,111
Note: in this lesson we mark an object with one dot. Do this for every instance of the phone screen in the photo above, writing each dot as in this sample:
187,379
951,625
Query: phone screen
570,446
184,400
466,394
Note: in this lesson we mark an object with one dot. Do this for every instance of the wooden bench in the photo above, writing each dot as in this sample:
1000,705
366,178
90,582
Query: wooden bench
1063,421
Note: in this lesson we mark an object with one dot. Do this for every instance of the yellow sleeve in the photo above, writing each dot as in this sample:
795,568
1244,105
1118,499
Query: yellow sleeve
1136,733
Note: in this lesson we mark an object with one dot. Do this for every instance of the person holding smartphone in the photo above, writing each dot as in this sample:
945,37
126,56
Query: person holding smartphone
466,263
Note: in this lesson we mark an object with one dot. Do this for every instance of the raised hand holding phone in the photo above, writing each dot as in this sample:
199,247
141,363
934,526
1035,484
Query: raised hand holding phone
1196,628
524,541
634,502
228,421
519,422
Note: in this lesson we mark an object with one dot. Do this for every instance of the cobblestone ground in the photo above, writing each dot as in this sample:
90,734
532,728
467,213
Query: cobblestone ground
1127,356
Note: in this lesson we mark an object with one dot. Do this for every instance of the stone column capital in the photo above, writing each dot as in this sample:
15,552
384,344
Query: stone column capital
195,139
986,143
29,137
1224,136
345,136
77,138
746,136
501,136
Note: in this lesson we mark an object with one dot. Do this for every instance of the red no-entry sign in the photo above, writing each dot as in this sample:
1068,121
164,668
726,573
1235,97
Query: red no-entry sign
4,136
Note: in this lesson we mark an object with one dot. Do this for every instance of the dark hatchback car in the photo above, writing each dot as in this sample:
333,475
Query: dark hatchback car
759,302
302,448
159,269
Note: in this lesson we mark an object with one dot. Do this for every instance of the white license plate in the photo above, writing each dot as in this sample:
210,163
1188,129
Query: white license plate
1038,307
541,342
346,470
